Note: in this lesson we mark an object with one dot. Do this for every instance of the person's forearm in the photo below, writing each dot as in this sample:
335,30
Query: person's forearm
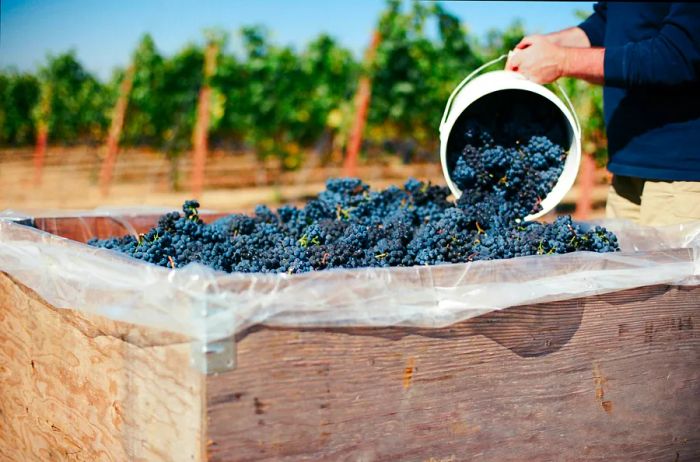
584,63
573,37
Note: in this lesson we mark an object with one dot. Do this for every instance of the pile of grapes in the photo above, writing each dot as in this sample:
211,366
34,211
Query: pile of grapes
506,180
350,226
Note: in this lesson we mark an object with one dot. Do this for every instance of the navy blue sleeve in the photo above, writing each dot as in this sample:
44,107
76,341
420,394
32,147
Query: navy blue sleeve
670,58
594,25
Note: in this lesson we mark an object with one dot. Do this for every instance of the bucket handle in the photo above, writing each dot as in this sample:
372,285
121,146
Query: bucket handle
462,84
571,108
466,80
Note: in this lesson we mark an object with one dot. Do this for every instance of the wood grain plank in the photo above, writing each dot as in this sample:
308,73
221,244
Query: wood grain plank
83,388
614,377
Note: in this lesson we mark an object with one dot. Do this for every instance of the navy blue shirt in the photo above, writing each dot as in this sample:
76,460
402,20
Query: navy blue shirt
652,87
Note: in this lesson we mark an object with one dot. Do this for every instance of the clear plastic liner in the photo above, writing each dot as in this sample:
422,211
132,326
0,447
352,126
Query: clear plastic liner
207,305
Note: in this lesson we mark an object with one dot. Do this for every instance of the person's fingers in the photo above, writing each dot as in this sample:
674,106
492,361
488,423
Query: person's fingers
509,61
513,61
527,41
537,79
524,43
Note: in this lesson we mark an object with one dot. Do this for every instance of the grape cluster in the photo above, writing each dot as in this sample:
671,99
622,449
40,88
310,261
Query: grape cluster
351,226
505,173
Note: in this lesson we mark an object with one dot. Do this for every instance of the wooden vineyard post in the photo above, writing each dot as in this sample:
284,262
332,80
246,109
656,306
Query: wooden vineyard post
362,97
42,136
42,131
115,130
586,182
201,129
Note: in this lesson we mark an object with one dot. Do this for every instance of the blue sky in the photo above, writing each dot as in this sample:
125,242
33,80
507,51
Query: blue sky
104,33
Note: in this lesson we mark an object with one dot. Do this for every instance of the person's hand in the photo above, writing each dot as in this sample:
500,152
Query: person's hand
538,59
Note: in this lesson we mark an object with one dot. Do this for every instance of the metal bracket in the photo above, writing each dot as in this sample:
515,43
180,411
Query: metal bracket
212,357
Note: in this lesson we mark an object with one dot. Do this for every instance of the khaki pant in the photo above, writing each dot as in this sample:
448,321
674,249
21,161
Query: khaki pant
652,202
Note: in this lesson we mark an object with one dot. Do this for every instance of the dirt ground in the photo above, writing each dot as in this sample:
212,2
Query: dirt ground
234,182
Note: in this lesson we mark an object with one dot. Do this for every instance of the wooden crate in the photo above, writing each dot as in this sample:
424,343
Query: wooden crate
613,377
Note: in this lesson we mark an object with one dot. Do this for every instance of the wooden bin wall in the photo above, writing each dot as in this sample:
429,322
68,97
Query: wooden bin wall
612,377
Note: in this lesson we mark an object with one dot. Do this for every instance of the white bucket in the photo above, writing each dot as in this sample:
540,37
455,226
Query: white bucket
469,91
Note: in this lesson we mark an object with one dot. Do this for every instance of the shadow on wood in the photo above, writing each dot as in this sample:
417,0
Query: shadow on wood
531,330
612,377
